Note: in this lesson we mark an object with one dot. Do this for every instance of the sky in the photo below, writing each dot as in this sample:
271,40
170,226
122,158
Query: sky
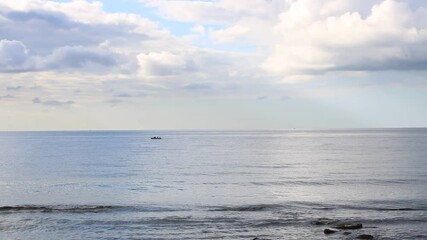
218,64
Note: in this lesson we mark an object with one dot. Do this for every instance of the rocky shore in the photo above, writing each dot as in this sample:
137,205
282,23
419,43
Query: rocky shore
345,228
349,229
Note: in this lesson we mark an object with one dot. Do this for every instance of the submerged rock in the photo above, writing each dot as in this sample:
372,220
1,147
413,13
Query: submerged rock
365,236
349,226
329,231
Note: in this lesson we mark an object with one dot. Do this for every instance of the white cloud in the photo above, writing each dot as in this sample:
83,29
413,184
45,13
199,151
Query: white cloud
80,11
75,50
311,37
77,24
307,42
164,63
80,46
200,29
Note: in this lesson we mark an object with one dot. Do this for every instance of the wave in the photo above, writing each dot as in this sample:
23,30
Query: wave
294,206
59,208
297,206
106,208
247,208
373,208
168,220
83,208
363,208
397,220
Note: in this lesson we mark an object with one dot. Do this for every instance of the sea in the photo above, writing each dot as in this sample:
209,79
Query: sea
284,184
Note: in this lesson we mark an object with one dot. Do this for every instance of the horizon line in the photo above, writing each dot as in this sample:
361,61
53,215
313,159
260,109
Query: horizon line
217,130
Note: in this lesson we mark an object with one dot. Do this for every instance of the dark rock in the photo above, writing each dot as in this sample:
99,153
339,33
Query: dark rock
329,231
346,233
349,226
322,221
318,223
365,236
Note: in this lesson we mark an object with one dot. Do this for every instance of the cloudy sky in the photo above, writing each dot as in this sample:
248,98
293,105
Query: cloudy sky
218,64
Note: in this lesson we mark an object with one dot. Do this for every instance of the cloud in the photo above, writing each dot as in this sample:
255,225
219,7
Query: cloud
13,55
228,35
80,37
191,11
304,37
114,102
164,63
8,96
347,41
14,88
123,95
198,86
64,30
199,29
52,103
79,57
73,35
77,50
215,12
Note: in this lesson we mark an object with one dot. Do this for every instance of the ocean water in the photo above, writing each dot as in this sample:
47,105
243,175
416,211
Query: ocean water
213,184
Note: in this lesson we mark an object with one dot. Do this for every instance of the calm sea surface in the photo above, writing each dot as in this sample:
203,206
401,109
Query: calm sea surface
212,185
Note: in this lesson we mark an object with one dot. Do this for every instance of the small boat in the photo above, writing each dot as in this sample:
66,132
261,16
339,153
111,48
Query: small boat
157,138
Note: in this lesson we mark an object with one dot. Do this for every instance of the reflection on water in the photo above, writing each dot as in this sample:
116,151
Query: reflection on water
195,185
